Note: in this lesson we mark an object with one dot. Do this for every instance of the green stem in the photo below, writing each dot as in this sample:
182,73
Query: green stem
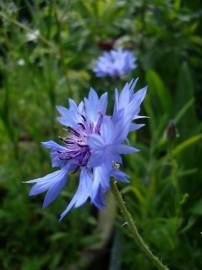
27,29
132,226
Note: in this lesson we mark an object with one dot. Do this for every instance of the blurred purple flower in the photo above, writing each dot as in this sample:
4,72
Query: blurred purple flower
115,63
94,145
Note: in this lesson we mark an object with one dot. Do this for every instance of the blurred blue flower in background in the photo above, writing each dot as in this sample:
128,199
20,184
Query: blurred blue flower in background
115,63
94,143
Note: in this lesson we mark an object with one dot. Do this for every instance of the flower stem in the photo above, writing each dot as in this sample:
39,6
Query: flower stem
132,226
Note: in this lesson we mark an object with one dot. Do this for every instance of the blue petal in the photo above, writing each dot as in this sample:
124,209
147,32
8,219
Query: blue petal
69,117
134,106
96,159
126,109
53,183
107,130
101,184
98,199
81,107
82,193
136,126
102,152
101,177
115,129
140,95
103,103
95,141
97,194
95,106
127,94
125,149
72,105
54,147
53,191
119,175
77,110
104,147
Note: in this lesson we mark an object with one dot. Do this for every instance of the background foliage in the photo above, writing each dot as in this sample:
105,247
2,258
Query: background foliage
47,51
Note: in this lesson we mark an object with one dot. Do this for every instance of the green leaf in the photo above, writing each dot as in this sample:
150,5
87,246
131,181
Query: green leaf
177,4
157,88
190,223
89,8
183,110
197,208
185,93
182,146
58,236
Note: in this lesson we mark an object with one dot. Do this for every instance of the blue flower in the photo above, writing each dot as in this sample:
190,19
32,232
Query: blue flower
115,63
94,144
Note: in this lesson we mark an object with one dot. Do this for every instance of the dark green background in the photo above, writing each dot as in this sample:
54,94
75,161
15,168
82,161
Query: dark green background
164,194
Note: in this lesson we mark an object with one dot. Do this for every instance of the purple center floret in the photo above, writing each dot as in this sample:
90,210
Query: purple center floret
77,148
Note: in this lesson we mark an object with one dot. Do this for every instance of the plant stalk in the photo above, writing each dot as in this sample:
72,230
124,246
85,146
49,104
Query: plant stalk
135,234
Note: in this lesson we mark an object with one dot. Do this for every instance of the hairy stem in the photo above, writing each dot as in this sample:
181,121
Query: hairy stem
135,234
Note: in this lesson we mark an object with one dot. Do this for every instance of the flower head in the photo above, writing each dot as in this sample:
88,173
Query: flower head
115,63
93,146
